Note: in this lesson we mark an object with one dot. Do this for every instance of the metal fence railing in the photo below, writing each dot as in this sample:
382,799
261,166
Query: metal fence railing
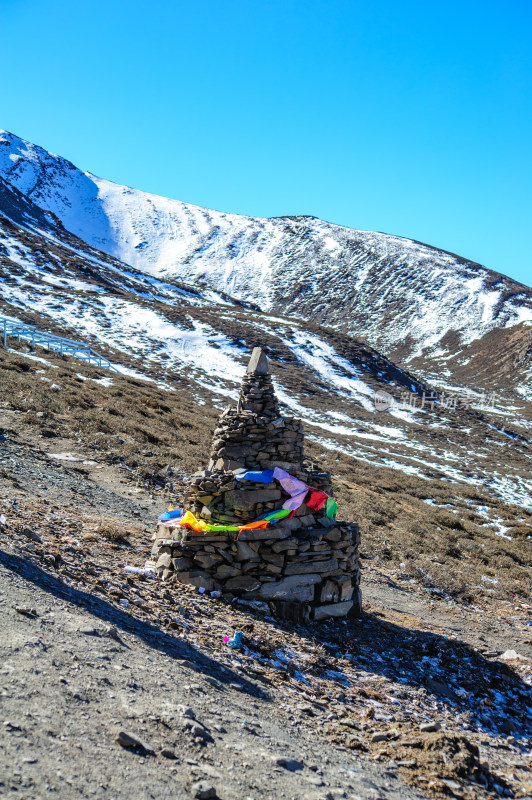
56,344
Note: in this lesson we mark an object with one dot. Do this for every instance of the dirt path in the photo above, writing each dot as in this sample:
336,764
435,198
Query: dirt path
64,472
490,631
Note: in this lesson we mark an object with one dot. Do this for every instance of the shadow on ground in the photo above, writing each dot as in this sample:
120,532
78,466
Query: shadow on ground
489,694
151,635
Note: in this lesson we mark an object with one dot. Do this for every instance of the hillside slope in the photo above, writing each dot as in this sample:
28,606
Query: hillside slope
455,319
417,690
197,342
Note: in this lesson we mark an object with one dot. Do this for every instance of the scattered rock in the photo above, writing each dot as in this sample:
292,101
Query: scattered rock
112,633
131,742
429,727
441,689
26,611
512,655
203,790
197,730
32,535
452,785
89,631
290,764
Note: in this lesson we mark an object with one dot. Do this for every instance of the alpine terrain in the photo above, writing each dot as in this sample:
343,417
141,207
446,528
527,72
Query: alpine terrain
423,306
411,370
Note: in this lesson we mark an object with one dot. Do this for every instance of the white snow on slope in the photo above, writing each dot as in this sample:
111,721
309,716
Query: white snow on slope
302,263
260,258
330,367
195,349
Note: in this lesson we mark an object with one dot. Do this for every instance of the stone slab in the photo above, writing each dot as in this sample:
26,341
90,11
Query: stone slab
198,579
332,610
334,535
256,534
207,560
245,553
246,499
295,587
298,568
226,571
243,583
182,564
258,363
164,560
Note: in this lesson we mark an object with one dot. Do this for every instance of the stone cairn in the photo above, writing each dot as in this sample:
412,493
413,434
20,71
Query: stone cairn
304,567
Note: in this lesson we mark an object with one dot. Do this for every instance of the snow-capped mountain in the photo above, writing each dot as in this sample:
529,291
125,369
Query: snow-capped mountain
452,318
196,341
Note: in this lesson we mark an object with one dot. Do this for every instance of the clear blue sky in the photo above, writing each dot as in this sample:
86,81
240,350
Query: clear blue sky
412,117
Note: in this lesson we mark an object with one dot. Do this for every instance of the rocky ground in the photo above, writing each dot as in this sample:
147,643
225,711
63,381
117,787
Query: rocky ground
114,685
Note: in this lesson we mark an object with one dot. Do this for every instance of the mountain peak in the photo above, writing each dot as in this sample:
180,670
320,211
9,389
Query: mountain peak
410,300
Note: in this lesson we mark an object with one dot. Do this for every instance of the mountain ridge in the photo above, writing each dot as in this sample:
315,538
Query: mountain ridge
414,302
193,340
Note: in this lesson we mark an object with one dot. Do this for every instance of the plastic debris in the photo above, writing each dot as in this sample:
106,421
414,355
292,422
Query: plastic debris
511,655
140,571
237,642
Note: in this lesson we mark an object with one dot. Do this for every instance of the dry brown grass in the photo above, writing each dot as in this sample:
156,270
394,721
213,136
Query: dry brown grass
150,430
451,550
132,421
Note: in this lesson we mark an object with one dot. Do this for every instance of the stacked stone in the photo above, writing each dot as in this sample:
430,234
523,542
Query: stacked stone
216,497
304,567
318,480
254,435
